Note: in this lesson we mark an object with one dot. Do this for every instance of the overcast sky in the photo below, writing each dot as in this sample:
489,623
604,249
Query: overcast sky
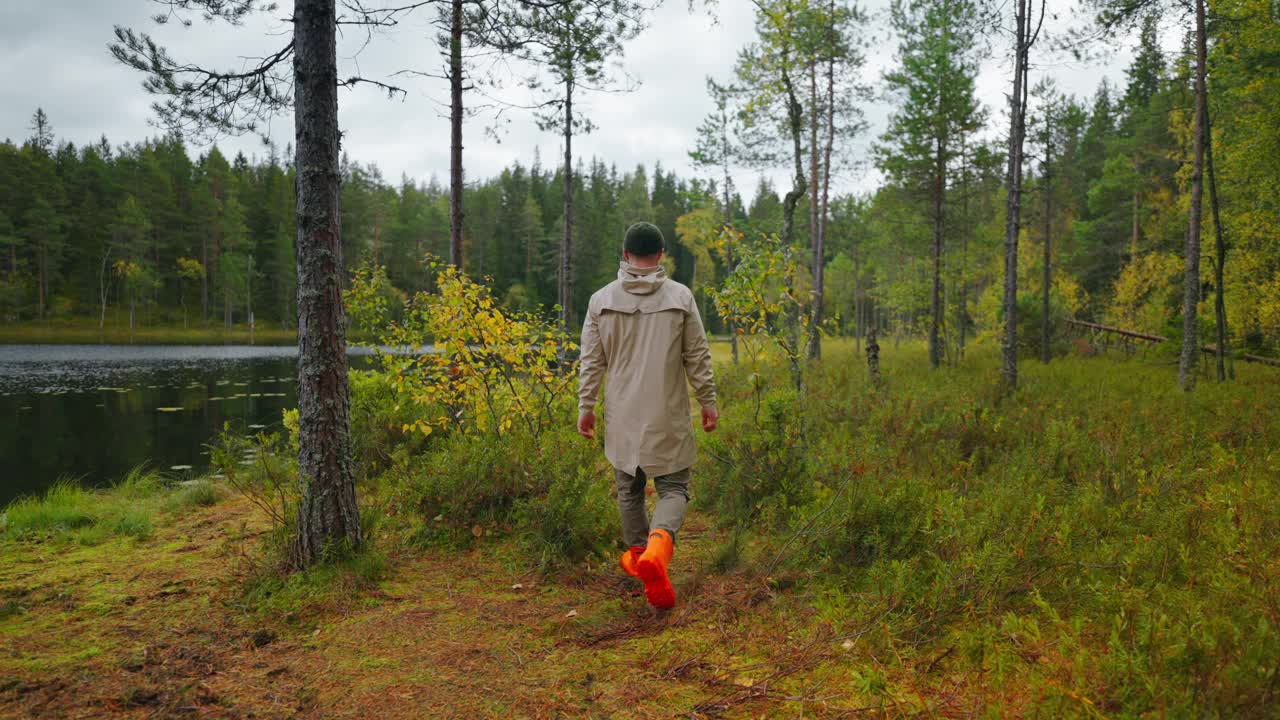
53,54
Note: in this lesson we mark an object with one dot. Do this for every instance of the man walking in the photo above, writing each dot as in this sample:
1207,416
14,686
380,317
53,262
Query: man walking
644,335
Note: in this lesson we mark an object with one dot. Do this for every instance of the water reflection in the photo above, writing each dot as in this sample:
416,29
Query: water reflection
95,411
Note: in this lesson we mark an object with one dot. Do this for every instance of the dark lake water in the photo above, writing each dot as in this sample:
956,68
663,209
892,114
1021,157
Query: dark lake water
93,412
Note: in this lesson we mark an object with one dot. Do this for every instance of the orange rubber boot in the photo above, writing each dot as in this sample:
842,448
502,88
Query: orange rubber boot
629,560
652,567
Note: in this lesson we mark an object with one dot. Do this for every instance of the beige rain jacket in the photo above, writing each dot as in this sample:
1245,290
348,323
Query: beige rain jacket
644,332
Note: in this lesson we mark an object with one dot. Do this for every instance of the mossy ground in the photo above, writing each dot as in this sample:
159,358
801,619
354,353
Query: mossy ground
157,627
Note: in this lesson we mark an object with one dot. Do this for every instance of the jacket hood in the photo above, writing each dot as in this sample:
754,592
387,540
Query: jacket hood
641,280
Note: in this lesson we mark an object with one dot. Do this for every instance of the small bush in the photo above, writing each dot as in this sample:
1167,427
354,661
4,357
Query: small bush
574,521
760,463
552,491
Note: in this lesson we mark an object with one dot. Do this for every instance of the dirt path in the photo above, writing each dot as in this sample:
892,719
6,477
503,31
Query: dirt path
153,630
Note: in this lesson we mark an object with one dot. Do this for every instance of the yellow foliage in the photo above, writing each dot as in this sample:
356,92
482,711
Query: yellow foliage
1147,293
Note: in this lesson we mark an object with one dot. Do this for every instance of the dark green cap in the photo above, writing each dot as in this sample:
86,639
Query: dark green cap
644,240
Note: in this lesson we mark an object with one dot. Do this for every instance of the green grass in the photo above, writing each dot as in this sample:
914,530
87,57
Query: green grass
130,508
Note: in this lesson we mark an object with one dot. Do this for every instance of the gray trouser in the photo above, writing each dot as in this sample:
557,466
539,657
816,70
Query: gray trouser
668,514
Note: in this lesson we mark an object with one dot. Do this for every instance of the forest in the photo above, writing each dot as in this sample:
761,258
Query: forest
150,232
995,436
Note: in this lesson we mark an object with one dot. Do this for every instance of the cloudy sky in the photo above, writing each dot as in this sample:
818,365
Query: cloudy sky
53,54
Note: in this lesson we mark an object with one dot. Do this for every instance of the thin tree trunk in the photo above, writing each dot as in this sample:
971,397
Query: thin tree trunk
798,185
455,136
963,310
1045,322
815,232
1220,254
1191,279
935,295
962,317
102,287
819,274
795,117
1013,208
566,242
728,222
327,513
858,305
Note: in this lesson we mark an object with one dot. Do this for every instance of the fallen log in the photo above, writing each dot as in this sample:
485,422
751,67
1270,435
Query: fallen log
1210,349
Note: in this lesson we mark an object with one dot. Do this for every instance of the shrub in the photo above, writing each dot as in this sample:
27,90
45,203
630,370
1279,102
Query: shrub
575,519
551,491
760,467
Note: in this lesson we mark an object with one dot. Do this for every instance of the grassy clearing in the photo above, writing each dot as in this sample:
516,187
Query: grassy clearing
1097,544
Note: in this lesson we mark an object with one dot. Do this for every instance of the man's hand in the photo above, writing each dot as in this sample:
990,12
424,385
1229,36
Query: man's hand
710,418
587,425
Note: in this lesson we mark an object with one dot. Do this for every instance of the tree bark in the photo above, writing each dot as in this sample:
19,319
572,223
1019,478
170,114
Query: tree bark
1013,207
728,223
935,295
455,136
1220,254
566,241
795,118
327,514
1191,278
815,232
819,273
1045,328
962,315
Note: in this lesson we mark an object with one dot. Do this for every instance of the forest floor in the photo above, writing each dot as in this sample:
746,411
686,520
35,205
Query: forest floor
155,628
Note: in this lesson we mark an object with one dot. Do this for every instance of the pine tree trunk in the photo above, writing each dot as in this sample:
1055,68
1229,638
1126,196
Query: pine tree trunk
455,135
1013,207
935,295
1045,326
1220,254
815,232
327,513
795,122
1191,278
566,241
728,221
795,118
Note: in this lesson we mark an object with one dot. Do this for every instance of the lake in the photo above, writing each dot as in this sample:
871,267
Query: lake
93,412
